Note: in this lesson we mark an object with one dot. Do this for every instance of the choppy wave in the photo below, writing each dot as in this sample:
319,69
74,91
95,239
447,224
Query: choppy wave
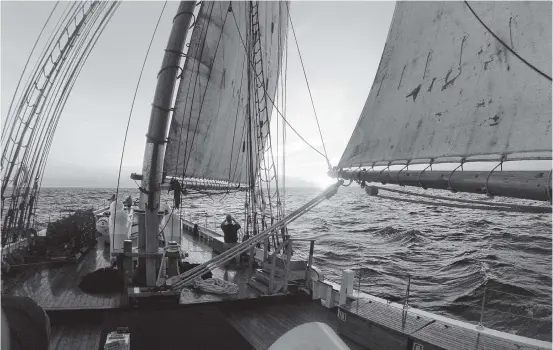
454,256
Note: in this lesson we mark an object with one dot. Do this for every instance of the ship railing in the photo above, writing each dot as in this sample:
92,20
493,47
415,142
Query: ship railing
285,250
480,311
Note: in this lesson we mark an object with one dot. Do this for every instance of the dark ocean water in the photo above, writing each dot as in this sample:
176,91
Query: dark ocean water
451,254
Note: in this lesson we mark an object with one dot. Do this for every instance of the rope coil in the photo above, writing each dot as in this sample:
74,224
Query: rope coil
213,285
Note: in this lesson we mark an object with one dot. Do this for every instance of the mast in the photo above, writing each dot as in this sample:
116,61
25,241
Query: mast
154,152
251,166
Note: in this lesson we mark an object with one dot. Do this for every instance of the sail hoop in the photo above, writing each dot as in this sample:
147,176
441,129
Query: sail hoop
423,170
541,155
169,67
488,193
381,171
548,187
399,172
180,13
449,187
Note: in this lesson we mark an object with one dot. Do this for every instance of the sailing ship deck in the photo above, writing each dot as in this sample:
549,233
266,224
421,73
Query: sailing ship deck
254,324
245,320
57,286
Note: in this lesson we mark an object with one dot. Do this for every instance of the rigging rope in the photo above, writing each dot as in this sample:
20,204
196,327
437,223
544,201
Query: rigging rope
42,95
35,149
461,200
28,59
270,99
507,46
477,207
47,47
132,107
308,88
97,34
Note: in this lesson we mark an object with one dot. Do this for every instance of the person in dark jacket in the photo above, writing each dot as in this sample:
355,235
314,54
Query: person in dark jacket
230,229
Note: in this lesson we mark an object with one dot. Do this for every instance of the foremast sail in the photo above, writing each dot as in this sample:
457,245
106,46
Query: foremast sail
208,135
227,84
459,82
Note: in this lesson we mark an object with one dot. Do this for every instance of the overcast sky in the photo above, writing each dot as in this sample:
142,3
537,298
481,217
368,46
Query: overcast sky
341,44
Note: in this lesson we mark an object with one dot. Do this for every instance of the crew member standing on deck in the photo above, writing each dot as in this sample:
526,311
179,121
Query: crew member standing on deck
230,229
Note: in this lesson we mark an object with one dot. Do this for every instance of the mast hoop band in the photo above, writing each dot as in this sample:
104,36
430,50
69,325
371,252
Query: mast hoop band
503,158
463,160
190,13
423,170
168,67
167,110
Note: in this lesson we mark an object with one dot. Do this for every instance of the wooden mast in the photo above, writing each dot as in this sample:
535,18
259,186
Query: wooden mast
251,126
535,185
154,152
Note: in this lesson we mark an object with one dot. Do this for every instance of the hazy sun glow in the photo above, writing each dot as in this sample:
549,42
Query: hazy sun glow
324,182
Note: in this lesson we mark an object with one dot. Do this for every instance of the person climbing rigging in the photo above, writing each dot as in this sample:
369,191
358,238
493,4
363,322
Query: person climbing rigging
230,229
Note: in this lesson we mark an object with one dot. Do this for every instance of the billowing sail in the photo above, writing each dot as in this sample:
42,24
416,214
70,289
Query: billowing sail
208,132
447,89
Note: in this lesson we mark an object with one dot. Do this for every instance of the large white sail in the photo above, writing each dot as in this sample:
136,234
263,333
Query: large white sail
447,89
208,133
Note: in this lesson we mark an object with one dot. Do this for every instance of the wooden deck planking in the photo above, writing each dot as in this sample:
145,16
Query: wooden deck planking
57,286
262,326
75,337
198,327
